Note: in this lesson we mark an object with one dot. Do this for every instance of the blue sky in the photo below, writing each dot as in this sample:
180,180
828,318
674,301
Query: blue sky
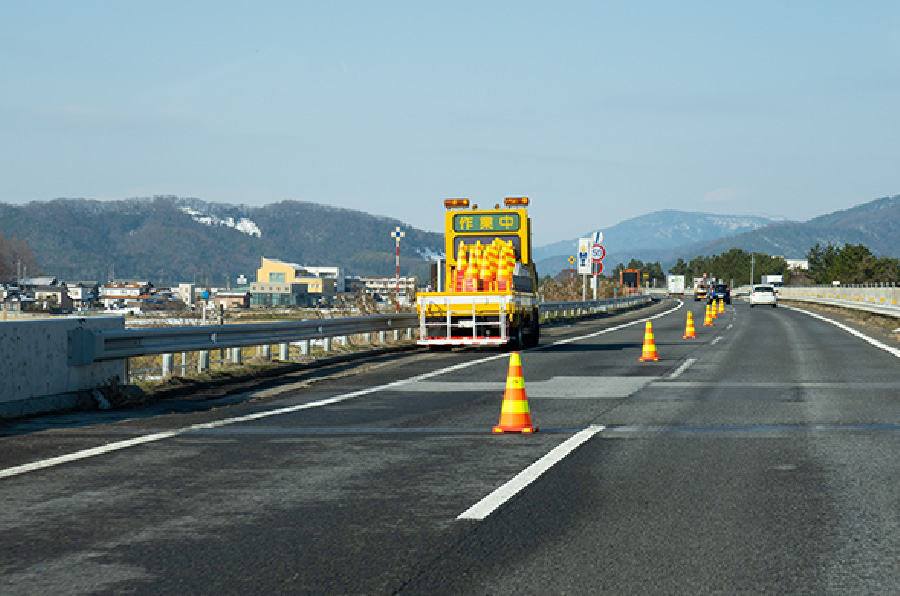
598,111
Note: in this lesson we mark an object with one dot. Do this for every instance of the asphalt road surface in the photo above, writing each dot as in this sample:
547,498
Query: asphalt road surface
759,458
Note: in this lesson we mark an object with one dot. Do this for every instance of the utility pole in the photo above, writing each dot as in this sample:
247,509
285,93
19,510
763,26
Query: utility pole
752,256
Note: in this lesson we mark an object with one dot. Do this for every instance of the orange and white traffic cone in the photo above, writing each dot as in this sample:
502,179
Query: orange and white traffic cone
712,311
721,306
689,331
515,417
649,352
708,319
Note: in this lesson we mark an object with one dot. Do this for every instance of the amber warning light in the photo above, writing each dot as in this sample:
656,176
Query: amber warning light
455,203
516,201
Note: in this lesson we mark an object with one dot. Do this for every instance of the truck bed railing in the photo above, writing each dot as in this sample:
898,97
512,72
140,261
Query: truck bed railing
479,320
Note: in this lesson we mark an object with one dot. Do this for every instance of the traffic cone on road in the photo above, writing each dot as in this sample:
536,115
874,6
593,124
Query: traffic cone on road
649,352
712,311
721,306
708,319
515,417
689,331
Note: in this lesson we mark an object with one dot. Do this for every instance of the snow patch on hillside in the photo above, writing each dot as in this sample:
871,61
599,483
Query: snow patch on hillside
428,254
245,225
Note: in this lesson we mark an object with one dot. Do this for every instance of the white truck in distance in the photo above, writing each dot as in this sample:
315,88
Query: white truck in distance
675,285
699,288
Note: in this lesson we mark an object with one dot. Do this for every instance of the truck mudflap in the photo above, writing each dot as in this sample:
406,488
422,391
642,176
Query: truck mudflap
465,320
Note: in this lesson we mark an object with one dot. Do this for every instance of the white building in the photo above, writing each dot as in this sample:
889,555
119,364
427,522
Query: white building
798,264
334,272
121,294
83,294
386,287
186,292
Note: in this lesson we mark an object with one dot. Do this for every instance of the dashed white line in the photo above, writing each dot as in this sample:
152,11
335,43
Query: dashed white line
717,340
682,368
490,503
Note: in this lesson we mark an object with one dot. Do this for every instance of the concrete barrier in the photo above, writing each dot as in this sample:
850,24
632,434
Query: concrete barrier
36,375
884,300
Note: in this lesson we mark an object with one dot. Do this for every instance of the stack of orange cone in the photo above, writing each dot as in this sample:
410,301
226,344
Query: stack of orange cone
689,331
649,352
515,417
707,320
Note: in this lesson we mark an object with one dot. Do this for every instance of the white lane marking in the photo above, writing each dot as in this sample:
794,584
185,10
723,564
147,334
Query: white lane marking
608,330
730,325
110,447
851,331
717,340
490,503
62,459
682,368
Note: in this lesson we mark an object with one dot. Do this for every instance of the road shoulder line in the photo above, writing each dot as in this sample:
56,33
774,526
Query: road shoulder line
851,331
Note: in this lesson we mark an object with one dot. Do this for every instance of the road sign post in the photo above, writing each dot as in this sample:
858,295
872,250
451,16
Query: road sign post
598,253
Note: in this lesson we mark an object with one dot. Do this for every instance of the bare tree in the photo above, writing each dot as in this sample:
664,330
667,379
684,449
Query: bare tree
15,253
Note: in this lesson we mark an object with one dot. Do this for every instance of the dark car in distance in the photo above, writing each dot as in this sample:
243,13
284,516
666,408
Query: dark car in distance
719,292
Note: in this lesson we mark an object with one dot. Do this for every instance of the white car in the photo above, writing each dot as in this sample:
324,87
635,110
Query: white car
763,295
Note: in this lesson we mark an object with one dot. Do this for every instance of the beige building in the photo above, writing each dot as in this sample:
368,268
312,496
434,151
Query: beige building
318,280
232,300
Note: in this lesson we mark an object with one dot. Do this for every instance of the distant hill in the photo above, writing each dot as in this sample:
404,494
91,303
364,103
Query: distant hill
875,224
651,237
173,239
169,239
664,236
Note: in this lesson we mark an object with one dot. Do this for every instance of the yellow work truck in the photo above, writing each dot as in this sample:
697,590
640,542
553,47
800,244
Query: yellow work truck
491,282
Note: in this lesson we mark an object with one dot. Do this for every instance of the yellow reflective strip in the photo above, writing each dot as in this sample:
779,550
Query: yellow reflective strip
515,406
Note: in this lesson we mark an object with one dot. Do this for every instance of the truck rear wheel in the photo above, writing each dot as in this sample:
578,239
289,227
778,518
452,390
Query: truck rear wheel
516,338
533,337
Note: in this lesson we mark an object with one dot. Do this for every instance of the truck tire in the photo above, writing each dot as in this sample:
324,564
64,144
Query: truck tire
534,330
516,338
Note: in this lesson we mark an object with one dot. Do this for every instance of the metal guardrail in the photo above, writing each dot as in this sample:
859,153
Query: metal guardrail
603,304
87,346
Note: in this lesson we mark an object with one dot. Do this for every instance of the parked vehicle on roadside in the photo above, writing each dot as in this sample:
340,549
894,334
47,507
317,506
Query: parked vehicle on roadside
763,295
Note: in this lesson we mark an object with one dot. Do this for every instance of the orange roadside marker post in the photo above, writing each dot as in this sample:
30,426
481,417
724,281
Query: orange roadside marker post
515,416
649,351
689,331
